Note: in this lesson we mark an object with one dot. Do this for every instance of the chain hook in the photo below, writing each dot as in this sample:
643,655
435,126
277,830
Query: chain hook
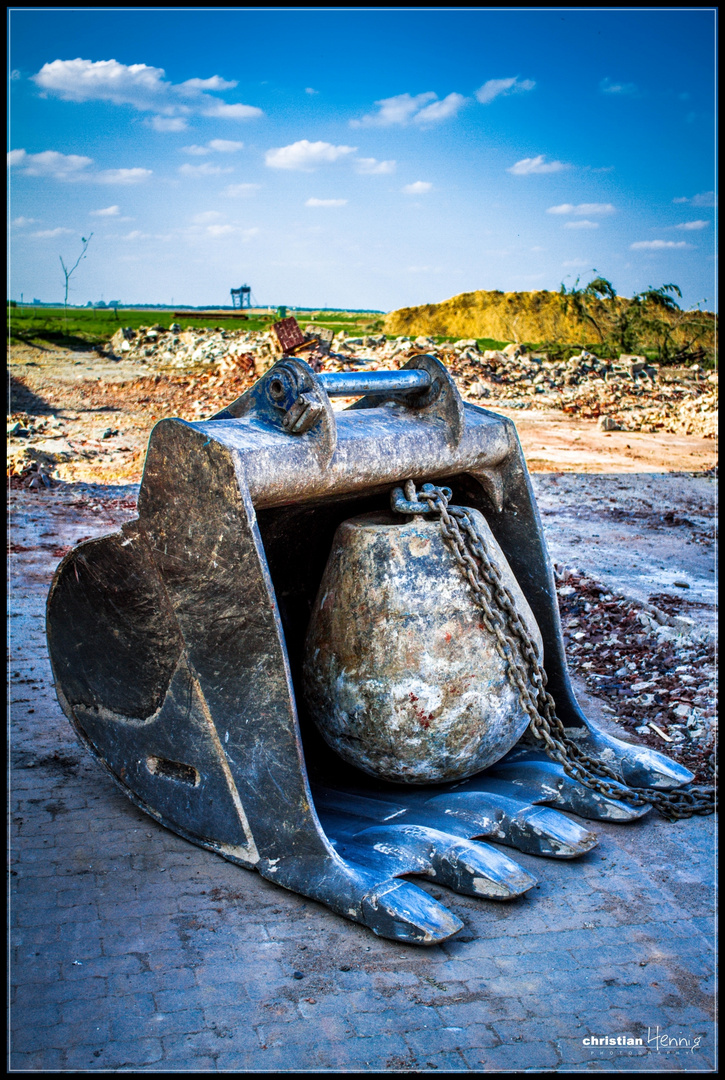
406,500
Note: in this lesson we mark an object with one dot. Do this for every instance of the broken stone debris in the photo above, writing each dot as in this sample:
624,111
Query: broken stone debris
630,394
627,394
605,423
37,447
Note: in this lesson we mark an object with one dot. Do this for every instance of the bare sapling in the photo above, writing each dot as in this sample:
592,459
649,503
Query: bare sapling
68,272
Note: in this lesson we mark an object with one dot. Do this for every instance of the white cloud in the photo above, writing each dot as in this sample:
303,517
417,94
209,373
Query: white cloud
396,110
309,90
48,233
420,187
241,191
326,202
136,234
232,112
440,110
206,217
584,224
142,87
609,87
21,222
221,230
691,226
220,146
412,108
305,156
123,176
497,87
214,83
106,80
49,163
657,245
370,166
169,123
575,262
537,164
14,75
705,198
108,211
204,170
225,146
582,209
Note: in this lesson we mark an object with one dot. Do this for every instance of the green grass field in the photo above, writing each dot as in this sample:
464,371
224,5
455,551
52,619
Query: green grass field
84,328
87,328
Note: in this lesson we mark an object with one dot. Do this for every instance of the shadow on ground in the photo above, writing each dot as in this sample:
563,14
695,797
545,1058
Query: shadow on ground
21,399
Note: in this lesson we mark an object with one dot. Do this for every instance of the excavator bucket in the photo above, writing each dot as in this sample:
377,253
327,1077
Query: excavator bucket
177,647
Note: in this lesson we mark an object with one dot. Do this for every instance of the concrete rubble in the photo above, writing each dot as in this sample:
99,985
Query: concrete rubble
629,394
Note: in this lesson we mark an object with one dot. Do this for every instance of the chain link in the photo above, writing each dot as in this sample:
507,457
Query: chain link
524,671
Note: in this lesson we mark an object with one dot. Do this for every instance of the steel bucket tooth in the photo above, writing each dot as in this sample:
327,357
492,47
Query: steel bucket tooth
511,820
639,766
472,868
400,910
530,828
176,645
544,781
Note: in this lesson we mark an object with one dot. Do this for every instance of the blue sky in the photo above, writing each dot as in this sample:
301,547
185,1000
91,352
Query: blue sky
360,158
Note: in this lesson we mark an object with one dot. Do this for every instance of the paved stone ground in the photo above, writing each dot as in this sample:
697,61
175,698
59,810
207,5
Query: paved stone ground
133,950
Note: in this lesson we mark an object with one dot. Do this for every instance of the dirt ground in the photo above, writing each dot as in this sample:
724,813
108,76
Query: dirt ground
89,417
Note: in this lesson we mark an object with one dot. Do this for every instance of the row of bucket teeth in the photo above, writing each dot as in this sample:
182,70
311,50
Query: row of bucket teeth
534,778
390,831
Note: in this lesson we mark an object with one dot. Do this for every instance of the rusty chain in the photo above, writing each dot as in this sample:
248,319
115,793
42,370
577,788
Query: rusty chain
524,671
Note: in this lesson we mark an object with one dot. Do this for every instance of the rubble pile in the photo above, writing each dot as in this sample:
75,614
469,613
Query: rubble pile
177,348
655,671
30,461
32,476
629,394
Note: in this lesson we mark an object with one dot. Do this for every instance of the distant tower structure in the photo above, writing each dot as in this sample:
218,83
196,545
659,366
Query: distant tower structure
242,297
